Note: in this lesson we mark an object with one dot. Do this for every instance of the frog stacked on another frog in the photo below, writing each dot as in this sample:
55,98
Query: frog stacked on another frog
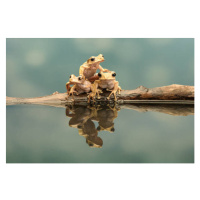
105,79
89,68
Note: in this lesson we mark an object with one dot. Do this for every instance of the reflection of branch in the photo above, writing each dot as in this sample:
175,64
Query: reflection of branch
170,109
178,94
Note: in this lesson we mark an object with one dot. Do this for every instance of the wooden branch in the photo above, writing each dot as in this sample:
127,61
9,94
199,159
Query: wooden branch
172,99
166,94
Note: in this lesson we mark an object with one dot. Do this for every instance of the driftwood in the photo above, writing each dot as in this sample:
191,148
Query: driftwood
172,93
172,99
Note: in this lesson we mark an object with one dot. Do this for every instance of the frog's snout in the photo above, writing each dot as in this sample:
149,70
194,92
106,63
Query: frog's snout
71,80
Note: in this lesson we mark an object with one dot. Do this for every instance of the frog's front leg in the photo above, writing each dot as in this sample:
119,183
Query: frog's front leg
68,88
99,91
91,96
103,70
119,89
114,91
94,91
72,91
81,70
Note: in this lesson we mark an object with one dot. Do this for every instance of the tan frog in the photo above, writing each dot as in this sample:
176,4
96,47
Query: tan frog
106,81
88,69
80,85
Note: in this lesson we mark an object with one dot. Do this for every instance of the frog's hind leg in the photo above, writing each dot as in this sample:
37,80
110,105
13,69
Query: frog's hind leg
93,78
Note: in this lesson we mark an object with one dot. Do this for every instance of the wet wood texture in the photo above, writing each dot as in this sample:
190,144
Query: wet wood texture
172,93
172,99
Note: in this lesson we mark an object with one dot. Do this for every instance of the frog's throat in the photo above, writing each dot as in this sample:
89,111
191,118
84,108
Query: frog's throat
75,82
96,63
105,79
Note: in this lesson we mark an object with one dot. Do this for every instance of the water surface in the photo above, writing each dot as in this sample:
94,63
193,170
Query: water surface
42,134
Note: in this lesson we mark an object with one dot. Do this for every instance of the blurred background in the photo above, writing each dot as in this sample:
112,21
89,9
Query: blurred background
37,67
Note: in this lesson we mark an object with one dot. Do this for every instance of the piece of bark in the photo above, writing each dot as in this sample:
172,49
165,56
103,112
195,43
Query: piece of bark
172,94
173,100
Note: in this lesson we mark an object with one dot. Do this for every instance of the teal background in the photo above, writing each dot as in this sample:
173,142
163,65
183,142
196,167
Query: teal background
40,134
37,67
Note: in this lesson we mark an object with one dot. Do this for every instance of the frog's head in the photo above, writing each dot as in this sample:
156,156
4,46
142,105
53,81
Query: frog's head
96,142
74,79
107,75
101,57
97,59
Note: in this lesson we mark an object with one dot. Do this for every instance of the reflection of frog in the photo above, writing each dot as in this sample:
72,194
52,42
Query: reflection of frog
80,119
106,81
79,115
89,68
105,117
91,134
80,85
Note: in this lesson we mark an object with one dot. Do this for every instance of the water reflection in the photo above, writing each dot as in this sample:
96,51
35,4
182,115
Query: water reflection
83,117
142,134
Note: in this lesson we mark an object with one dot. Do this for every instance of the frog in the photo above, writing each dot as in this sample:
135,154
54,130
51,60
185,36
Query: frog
105,116
91,134
106,119
81,119
78,114
88,69
106,81
80,86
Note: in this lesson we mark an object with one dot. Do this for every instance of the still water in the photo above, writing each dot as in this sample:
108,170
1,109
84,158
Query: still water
101,134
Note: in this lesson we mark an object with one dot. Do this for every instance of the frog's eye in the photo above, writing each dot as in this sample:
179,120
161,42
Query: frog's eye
79,78
70,76
99,74
92,59
114,74
103,56
98,128
112,129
